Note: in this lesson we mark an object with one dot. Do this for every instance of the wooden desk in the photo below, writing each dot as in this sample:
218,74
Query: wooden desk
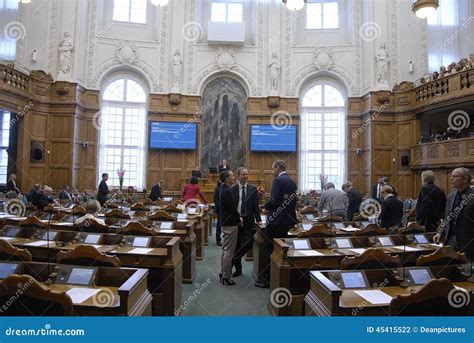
122,291
290,268
328,298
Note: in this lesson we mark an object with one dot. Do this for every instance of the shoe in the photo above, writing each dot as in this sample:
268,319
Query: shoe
219,244
220,277
262,284
238,272
227,282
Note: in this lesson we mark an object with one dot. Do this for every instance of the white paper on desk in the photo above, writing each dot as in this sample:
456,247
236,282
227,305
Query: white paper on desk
375,297
192,210
139,251
436,245
358,250
307,226
166,225
63,224
40,243
181,215
181,207
17,218
7,238
79,295
310,252
166,231
349,229
406,248
167,198
182,220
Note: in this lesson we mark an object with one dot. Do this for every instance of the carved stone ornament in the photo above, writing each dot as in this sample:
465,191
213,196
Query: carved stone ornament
175,99
418,153
225,59
323,58
403,100
62,90
452,150
433,152
383,99
41,75
126,52
273,101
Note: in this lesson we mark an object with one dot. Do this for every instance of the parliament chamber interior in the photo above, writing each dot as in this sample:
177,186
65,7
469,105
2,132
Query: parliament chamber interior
236,158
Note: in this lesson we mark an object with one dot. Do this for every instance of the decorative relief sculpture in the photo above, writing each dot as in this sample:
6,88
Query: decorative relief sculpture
65,48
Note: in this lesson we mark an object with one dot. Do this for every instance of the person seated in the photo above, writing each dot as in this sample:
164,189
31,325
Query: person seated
35,189
156,191
42,198
392,210
191,190
92,208
11,195
11,184
223,166
65,195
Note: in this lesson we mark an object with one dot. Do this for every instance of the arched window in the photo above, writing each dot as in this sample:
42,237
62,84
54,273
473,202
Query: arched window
322,136
123,132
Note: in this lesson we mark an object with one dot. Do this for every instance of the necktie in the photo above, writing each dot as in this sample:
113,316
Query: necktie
242,203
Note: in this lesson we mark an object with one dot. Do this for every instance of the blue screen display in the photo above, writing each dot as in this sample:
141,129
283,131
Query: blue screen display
273,138
173,135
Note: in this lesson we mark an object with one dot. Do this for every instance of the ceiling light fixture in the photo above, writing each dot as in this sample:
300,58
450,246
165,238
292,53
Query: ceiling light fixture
294,5
425,8
159,3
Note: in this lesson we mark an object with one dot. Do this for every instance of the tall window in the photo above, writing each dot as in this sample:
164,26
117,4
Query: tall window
322,136
4,141
443,35
322,14
132,11
11,30
123,132
230,11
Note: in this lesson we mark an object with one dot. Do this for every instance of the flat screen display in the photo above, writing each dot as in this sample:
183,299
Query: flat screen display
273,138
420,276
385,241
141,241
339,226
12,231
343,243
310,216
301,244
353,280
81,276
92,239
7,269
421,239
173,135
49,236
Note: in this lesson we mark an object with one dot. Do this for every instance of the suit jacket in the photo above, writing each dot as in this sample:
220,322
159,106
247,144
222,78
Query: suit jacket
392,212
282,204
217,204
430,206
221,168
374,191
229,215
102,192
155,192
355,199
40,200
252,210
63,195
463,222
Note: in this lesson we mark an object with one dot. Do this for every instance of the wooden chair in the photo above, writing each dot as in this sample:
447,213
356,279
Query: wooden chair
116,213
10,253
412,228
330,218
308,210
139,207
87,255
34,298
136,228
372,258
33,222
357,217
371,230
163,216
171,208
90,225
31,207
435,298
78,210
442,257
318,231
148,201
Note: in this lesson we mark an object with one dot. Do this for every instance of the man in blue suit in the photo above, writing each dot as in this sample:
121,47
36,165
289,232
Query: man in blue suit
281,214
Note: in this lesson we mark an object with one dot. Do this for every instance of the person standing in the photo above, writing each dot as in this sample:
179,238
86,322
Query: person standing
391,214
281,215
335,200
354,197
217,210
457,227
103,189
192,190
156,190
246,197
230,219
223,166
431,202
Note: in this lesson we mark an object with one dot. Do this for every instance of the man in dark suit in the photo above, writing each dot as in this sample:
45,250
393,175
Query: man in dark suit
457,226
217,210
392,210
246,198
281,214
355,199
65,195
431,203
156,191
377,189
223,166
103,189
11,184
43,197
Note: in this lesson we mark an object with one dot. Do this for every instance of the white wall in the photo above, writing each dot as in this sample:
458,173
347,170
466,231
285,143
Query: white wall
347,53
